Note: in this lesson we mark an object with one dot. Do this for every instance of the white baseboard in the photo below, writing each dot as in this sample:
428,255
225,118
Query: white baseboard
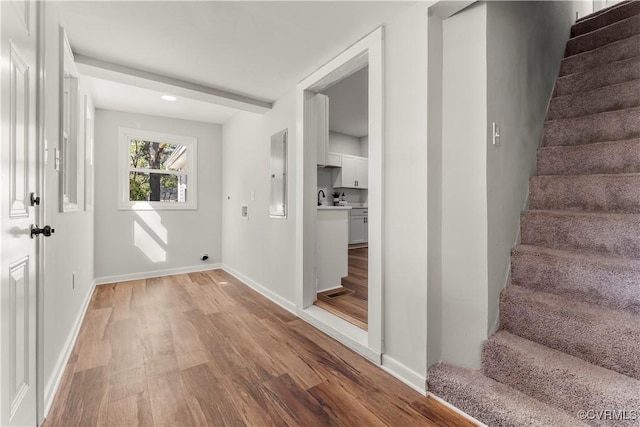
340,330
52,385
329,289
287,305
405,374
456,410
157,273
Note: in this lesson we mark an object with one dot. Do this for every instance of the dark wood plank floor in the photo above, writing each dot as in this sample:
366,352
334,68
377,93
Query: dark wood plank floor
204,349
352,307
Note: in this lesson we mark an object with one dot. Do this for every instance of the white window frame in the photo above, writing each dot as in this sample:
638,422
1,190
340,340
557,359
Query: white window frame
71,181
125,136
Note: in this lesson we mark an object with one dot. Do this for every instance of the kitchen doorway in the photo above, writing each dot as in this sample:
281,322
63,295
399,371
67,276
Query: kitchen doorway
343,187
365,57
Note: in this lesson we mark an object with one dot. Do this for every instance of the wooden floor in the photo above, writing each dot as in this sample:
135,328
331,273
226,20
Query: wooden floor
204,349
352,307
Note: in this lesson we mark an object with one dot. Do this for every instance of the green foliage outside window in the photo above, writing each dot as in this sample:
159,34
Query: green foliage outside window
148,186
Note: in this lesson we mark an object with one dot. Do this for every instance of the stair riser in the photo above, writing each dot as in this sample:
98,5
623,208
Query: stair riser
609,235
614,32
608,18
553,386
582,333
607,75
589,193
604,158
611,285
619,51
610,126
608,98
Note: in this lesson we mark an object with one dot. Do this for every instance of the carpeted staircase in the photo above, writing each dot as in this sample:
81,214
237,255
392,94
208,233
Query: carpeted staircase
569,337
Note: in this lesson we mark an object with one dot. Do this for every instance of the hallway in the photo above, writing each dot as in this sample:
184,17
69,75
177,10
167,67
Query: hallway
204,349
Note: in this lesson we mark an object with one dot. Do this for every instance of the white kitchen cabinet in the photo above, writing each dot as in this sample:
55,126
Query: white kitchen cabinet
317,126
358,226
332,257
353,174
334,160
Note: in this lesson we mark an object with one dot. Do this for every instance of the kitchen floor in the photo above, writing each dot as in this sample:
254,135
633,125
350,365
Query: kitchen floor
352,304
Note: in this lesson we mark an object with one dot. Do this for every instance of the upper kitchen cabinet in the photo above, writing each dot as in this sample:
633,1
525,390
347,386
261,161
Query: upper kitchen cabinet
317,125
353,174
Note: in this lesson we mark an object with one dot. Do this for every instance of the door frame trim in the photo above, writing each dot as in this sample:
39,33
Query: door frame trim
367,51
41,154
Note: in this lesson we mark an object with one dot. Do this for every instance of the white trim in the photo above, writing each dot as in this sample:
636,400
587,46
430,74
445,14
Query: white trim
371,49
340,330
456,410
405,374
125,135
329,289
156,273
267,293
58,370
105,70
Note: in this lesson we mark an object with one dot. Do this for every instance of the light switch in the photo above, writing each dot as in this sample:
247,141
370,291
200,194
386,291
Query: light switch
253,195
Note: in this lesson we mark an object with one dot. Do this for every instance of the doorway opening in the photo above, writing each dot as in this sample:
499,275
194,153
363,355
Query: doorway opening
343,183
339,267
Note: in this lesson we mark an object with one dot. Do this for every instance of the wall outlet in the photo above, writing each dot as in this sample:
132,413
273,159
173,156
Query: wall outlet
244,213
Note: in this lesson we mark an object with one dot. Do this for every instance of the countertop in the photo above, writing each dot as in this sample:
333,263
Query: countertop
330,208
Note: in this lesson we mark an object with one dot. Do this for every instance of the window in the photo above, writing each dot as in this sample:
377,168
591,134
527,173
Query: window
69,179
157,171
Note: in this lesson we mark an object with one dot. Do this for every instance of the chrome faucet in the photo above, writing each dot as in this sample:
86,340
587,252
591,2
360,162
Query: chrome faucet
323,195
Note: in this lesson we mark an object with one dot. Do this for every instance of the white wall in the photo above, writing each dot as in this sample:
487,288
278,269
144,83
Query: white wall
434,190
189,233
344,144
70,249
405,192
464,186
500,60
525,44
263,250
260,249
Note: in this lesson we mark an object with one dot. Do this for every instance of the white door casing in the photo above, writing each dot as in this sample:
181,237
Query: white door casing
19,178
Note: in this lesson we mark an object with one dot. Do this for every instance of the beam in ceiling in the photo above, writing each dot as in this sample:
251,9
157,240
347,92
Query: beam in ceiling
93,67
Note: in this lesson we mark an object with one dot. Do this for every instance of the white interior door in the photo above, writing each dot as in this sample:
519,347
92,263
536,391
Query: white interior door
18,179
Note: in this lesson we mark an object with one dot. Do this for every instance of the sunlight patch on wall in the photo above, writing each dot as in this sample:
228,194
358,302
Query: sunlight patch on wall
147,244
153,221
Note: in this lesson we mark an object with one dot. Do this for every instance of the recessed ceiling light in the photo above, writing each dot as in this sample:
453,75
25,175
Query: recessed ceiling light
169,98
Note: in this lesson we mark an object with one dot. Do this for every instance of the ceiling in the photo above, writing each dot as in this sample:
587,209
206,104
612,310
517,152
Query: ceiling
256,49
122,97
349,104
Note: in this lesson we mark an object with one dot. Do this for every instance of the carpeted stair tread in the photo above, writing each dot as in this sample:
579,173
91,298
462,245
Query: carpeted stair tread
558,379
605,75
616,13
618,96
491,402
607,281
611,33
614,52
597,158
588,232
617,193
593,333
608,126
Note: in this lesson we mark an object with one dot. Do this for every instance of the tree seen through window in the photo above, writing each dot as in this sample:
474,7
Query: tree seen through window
156,171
